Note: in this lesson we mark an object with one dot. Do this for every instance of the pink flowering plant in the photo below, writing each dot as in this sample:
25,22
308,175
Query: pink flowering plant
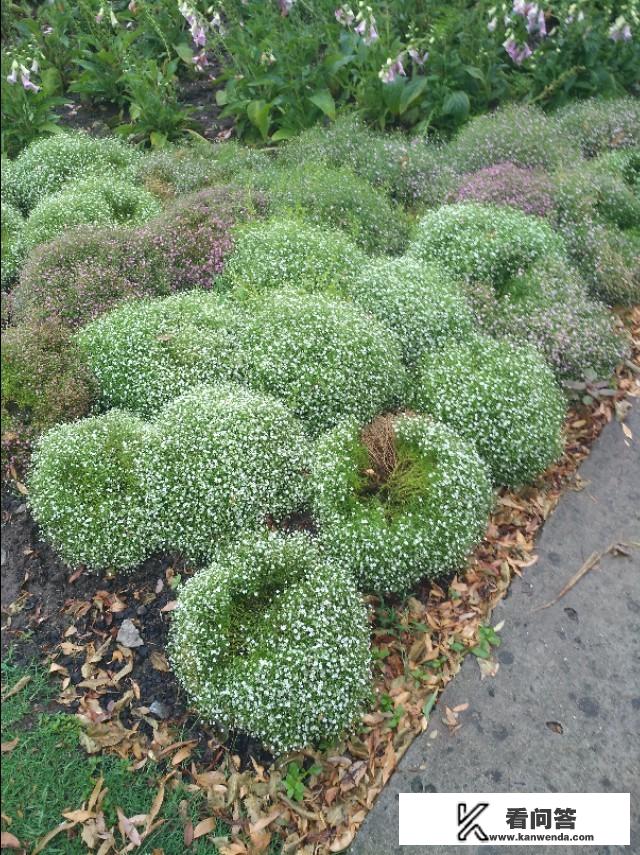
29,96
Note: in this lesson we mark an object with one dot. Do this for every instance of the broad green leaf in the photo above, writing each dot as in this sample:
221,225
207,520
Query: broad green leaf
184,52
475,72
412,90
158,139
457,105
258,113
283,134
324,100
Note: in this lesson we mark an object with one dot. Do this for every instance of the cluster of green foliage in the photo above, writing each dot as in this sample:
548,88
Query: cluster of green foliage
416,64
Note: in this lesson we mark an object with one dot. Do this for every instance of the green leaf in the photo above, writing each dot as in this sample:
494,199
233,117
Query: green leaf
457,105
475,72
410,92
184,52
429,704
222,97
482,650
258,113
324,100
283,134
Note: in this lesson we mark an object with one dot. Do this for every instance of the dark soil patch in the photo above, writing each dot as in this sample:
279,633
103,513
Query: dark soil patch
42,599
199,96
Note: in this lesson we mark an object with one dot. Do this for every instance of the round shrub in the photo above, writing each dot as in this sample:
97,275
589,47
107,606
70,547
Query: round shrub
411,171
145,353
518,134
193,235
12,246
343,200
321,356
624,164
85,271
608,259
96,201
484,242
594,193
577,336
402,500
89,491
526,189
502,397
229,458
418,302
289,253
273,641
47,165
175,170
600,125
44,378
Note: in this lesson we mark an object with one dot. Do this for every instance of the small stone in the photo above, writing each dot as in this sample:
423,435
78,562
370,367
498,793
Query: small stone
159,710
141,611
128,635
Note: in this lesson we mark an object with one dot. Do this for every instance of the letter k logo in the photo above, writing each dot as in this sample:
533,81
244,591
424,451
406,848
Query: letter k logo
467,821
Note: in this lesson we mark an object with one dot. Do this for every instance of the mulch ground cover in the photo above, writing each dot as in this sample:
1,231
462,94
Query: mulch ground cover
104,641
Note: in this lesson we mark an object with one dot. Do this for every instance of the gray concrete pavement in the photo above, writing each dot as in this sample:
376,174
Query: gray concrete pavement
576,663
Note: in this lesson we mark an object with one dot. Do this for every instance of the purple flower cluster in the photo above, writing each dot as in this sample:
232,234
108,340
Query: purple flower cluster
529,190
84,272
193,236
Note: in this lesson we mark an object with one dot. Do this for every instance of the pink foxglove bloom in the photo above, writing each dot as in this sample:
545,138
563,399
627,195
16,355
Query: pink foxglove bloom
393,69
26,82
285,7
345,16
493,23
620,31
13,77
100,15
419,60
518,53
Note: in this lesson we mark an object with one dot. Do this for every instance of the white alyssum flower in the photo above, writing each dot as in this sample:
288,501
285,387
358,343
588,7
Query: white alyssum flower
273,640
421,523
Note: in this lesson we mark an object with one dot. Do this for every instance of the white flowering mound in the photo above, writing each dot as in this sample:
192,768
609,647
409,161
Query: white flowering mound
323,357
90,490
291,253
502,397
98,201
402,500
47,165
228,459
274,642
484,242
519,134
12,244
341,199
601,125
145,353
420,303
550,309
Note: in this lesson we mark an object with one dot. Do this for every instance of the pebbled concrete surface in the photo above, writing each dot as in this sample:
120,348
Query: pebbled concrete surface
576,663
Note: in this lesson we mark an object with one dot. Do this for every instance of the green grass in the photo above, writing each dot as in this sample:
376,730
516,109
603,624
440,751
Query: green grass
48,773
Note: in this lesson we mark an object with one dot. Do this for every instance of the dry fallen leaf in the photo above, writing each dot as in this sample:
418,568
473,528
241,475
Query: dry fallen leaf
18,687
9,841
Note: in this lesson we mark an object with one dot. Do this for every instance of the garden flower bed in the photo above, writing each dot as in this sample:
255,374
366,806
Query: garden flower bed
293,428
